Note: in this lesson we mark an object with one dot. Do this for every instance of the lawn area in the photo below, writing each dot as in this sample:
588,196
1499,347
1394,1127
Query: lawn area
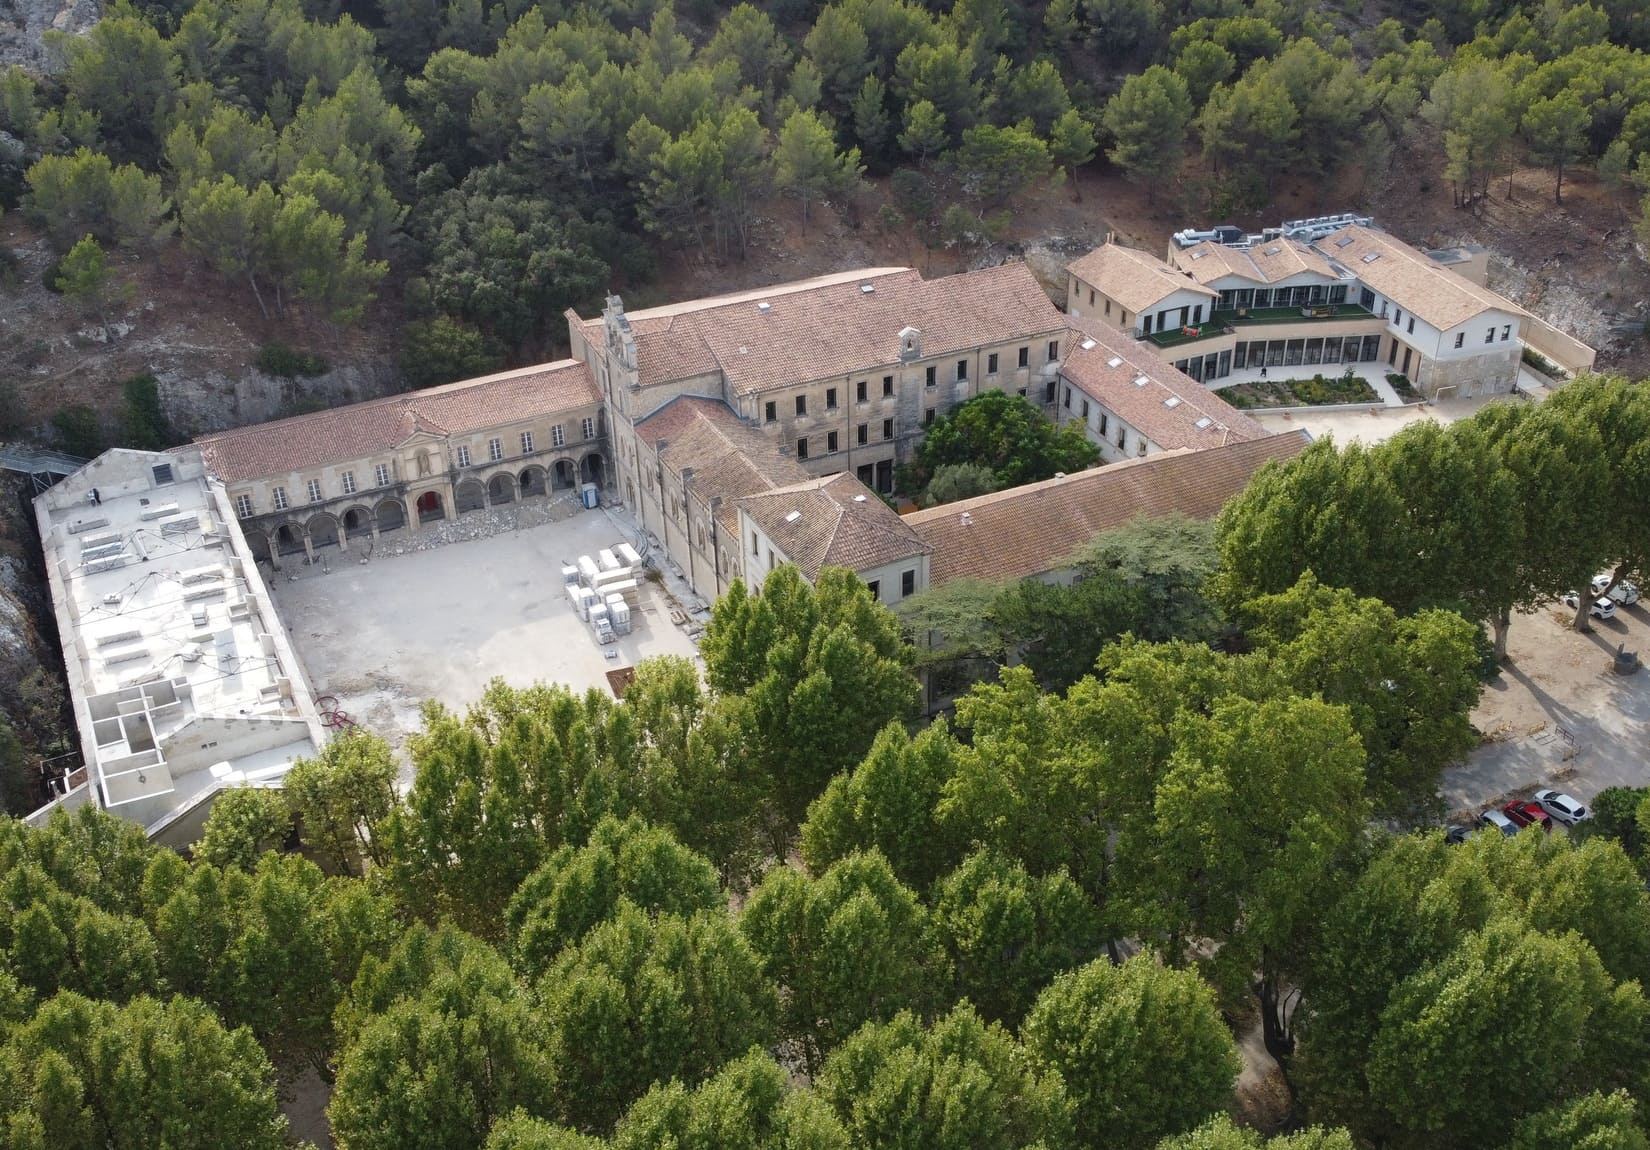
1319,390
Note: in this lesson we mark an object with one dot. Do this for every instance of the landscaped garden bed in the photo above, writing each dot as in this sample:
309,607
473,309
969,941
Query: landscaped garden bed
1318,390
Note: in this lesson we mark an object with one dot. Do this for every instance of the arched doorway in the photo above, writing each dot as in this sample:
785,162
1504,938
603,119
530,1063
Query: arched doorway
323,530
357,523
391,516
533,482
430,507
288,539
594,469
501,488
563,477
470,495
258,543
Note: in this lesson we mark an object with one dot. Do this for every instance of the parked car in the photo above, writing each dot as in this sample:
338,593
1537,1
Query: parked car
1526,813
1626,592
1564,808
1601,608
1456,833
1499,821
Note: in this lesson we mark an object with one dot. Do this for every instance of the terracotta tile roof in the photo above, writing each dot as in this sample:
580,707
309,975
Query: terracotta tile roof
728,459
1169,408
817,329
833,521
1133,278
1265,263
344,434
1034,529
1411,280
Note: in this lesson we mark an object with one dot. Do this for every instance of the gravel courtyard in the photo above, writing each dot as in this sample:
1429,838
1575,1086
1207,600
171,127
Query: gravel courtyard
439,624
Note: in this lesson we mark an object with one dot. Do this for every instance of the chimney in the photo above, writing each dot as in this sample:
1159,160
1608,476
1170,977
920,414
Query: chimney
910,344
967,519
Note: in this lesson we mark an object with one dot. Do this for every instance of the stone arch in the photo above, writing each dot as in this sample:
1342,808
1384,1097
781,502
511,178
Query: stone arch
391,515
357,523
470,495
257,542
534,481
323,529
563,476
594,469
501,488
288,539
431,508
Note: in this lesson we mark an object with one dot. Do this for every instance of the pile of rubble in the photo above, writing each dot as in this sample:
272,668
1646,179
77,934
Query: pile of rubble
532,512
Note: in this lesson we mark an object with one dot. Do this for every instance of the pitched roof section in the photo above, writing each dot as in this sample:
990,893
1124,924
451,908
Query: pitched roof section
728,459
833,522
1411,280
1133,278
344,434
834,326
1144,390
1266,263
1034,529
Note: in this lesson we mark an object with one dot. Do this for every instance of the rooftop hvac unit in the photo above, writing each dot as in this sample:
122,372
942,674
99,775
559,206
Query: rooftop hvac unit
112,599
80,525
158,511
190,655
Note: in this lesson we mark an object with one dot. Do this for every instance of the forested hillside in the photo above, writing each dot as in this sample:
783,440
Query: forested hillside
476,169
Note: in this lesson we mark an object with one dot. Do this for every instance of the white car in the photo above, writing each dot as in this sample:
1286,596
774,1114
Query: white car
1564,808
1626,592
1601,608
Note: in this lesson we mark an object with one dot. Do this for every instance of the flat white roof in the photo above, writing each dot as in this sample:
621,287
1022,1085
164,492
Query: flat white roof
175,656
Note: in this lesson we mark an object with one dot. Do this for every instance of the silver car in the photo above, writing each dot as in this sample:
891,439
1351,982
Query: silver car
1564,808
1499,821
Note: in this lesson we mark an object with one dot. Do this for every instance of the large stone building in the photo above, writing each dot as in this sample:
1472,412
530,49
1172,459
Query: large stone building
1311,295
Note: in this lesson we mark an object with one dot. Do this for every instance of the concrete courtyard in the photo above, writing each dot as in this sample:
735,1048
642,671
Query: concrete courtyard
439,624
1372,424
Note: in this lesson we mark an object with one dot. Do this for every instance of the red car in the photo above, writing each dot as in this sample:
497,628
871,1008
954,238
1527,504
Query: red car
1528,814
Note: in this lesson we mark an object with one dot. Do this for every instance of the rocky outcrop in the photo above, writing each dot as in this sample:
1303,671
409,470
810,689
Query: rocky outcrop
24,23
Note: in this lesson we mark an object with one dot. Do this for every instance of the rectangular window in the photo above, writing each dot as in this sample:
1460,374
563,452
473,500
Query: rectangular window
558,437
929,376
1104,420
527,443
863,435
1411,328
1366,299
830,399
1489,336
1068,399
802,405
756,544
1460,338
887,386
860,390
495,449
991,364
1108,309
588,427
962,370
348,481
907,584
802,447
1053,350
1397,316
830,443
1025,357
280,498
381,475
315,491
770,411
928,418
1506,331
162,473
1048,392
243,506
887,429
1091,297
463,455
874,587
1085,411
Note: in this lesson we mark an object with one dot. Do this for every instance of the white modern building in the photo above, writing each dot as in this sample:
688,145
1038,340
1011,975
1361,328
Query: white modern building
180,672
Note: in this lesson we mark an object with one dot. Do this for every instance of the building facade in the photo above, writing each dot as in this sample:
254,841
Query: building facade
339,479
1298,298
